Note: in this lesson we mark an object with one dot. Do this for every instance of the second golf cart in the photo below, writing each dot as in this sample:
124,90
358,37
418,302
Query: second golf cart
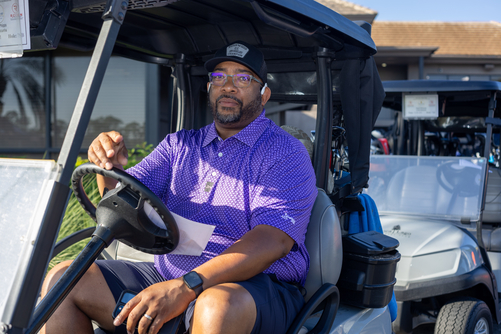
445,210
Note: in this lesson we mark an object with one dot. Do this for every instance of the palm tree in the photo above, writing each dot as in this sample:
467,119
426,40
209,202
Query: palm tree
20,75
23,80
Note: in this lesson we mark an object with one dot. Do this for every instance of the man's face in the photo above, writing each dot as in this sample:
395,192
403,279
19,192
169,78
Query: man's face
231,105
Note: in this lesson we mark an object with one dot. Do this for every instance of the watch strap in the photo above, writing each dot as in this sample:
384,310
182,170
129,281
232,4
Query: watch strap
198,288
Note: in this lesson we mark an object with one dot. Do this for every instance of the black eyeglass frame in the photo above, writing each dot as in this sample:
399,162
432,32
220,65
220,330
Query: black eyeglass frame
233,79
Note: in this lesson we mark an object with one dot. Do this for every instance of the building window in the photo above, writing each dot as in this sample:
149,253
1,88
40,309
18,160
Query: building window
22,103
120,105
496,78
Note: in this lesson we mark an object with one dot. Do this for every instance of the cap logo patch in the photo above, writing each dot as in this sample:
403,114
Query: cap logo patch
237,50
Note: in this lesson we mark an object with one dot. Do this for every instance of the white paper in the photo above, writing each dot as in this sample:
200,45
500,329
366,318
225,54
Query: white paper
10,29
193,236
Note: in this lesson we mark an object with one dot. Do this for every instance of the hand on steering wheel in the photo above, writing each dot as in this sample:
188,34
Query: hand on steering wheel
121,212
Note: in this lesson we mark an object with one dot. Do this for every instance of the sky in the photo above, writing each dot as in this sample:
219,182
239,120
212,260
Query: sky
434,10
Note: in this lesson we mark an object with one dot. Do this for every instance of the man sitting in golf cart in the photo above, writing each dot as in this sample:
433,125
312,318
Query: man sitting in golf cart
243,174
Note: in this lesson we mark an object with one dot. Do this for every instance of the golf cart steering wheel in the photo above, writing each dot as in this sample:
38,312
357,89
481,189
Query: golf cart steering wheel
123,215
459,180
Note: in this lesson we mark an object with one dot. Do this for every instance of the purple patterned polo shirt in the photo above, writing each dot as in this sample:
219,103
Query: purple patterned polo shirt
261,175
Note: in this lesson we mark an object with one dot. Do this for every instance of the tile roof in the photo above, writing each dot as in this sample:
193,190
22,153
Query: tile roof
346,8
451,38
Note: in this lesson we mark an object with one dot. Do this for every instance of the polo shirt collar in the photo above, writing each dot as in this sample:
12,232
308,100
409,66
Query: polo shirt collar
211,135
248,135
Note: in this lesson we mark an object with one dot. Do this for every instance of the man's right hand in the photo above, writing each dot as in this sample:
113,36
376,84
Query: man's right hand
108,150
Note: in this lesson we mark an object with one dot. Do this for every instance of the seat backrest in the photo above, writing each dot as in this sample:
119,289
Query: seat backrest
128,253
492,211
324,244
415,190
120,251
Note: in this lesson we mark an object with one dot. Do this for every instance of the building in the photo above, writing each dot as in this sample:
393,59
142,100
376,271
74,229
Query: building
38,92
438,50
350,10
430,50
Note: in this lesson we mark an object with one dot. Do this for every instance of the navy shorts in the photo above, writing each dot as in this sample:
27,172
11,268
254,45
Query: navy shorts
277,303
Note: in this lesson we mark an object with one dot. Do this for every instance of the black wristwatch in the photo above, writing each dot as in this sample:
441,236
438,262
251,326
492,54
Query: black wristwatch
194,282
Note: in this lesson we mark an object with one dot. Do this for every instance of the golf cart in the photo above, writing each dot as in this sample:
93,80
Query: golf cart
314,56
445,210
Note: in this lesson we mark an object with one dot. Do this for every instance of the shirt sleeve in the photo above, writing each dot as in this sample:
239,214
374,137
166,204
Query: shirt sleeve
155,170
284,195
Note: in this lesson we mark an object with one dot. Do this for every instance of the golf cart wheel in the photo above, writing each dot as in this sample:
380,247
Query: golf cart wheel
468,316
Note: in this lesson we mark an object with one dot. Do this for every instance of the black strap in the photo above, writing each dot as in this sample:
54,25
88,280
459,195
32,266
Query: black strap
493,121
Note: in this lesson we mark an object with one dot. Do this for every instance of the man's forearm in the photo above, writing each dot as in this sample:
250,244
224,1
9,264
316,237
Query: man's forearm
249,256
105,182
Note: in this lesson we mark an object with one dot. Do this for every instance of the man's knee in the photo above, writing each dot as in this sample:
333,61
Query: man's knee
53,275
92,276
230,297
228,304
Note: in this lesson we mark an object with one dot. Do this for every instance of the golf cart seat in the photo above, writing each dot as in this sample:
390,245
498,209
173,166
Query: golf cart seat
323,241
491,234
492,211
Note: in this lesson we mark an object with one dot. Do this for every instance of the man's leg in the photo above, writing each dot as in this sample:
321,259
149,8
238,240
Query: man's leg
261,304
90,299
225,308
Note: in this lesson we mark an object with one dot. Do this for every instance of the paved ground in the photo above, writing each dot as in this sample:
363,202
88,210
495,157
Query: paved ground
429,330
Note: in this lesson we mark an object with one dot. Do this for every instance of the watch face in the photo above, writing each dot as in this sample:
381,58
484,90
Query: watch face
192,280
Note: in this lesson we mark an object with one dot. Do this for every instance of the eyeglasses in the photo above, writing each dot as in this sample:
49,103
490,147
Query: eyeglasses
239,80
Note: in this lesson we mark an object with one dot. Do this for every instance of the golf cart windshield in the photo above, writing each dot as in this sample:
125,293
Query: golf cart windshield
25,190
435,187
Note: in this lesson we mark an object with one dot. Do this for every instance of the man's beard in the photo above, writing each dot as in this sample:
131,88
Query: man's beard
240,113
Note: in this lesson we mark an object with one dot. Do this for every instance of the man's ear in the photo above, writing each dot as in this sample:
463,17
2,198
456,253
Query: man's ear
263,89
265,96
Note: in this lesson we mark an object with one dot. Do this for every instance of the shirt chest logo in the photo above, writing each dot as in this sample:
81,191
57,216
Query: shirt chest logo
208,186
286,216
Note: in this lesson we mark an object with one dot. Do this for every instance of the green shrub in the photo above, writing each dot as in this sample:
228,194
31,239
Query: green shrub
75,218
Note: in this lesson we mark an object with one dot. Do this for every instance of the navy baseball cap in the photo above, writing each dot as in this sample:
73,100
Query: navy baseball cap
242,53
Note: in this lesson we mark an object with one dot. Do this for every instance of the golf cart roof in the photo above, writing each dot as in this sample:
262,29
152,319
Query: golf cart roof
157,30
456,98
